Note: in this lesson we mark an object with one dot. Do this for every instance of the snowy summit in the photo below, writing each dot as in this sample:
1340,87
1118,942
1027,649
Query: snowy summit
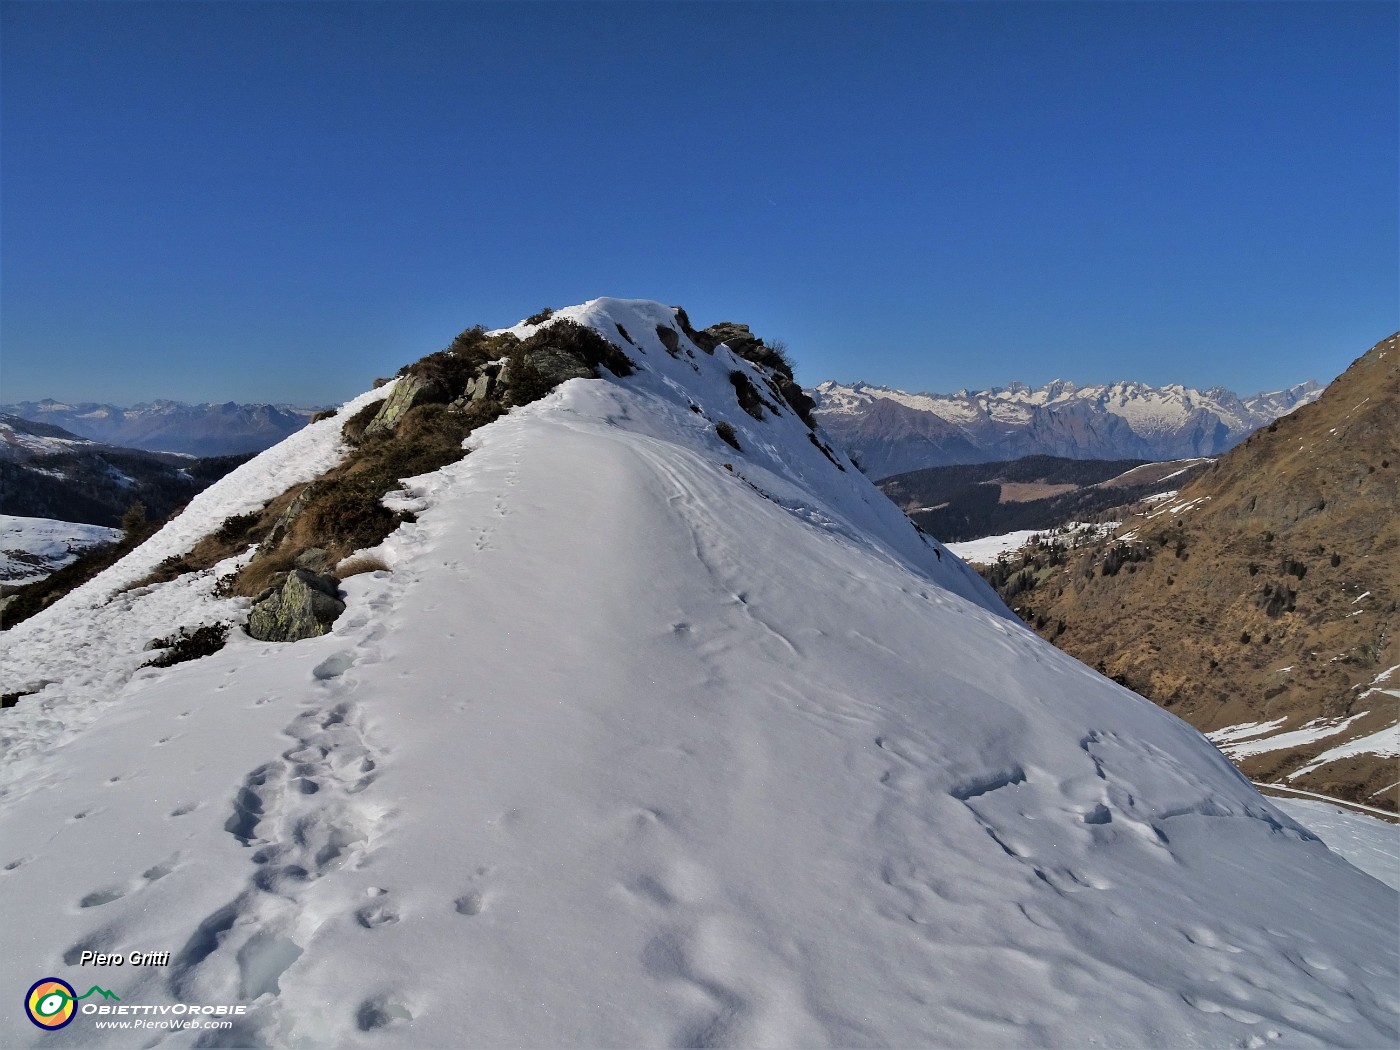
644,739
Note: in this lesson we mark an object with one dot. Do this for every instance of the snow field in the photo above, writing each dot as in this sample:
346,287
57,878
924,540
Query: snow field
52,543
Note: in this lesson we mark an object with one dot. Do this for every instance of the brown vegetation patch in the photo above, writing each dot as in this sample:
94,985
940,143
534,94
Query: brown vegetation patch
1025,491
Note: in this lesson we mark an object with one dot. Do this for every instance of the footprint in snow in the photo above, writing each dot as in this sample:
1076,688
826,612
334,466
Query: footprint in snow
372,916
381,1011
472,903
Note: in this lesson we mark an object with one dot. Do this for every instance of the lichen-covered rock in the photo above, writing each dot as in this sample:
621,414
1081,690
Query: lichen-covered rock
409,392
557,365
303,605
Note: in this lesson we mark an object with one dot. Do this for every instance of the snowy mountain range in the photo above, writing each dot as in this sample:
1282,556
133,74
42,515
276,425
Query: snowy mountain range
892,431
655,724
171,426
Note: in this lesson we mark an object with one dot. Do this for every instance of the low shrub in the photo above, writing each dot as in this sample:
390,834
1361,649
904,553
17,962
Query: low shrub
186,644
456,365
353,429
238,527
541,317
586,343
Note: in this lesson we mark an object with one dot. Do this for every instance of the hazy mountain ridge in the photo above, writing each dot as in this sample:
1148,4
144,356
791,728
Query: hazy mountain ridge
208,429
657,724
893,431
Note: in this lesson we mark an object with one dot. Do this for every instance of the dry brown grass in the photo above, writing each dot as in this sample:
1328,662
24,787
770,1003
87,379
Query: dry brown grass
361,563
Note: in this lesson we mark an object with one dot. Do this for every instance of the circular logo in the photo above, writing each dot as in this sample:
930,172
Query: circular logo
49,1003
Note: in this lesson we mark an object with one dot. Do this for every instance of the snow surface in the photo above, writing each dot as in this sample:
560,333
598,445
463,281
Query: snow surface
32,548
988,549
1370,844
646,741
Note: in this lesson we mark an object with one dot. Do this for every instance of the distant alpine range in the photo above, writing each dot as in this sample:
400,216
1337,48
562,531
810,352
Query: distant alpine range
228,429
892,431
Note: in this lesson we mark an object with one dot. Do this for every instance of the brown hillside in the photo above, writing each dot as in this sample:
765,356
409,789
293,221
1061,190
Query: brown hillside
1265,592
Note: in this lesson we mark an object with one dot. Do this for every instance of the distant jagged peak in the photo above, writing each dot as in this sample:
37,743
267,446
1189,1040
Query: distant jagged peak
1058,389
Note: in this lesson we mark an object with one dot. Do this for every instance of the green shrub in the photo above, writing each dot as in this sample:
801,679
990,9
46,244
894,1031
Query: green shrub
541,317
134,520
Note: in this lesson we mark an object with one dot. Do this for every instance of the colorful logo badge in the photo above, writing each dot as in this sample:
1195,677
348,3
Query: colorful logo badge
50,1003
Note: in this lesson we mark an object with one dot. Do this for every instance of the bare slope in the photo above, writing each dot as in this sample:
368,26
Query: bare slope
1262,602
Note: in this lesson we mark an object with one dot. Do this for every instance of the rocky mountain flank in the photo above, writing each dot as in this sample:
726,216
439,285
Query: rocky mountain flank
894,431
48,472
1036,492
1260,604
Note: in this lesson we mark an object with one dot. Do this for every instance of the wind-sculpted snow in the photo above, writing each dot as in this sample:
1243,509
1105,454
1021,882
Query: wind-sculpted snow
645,741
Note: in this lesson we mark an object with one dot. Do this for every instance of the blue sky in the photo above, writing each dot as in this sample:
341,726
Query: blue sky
282,201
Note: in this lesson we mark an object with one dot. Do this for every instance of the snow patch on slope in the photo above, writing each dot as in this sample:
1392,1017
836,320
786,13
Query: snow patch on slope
32,548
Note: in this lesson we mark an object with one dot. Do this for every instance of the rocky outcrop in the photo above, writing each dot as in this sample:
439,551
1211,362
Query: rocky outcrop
556,364
735,336
303,605
410,392
288,517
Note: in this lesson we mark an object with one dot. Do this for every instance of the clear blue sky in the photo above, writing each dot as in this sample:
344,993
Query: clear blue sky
282,201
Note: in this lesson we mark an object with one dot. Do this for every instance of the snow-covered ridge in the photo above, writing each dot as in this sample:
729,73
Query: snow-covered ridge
648,740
